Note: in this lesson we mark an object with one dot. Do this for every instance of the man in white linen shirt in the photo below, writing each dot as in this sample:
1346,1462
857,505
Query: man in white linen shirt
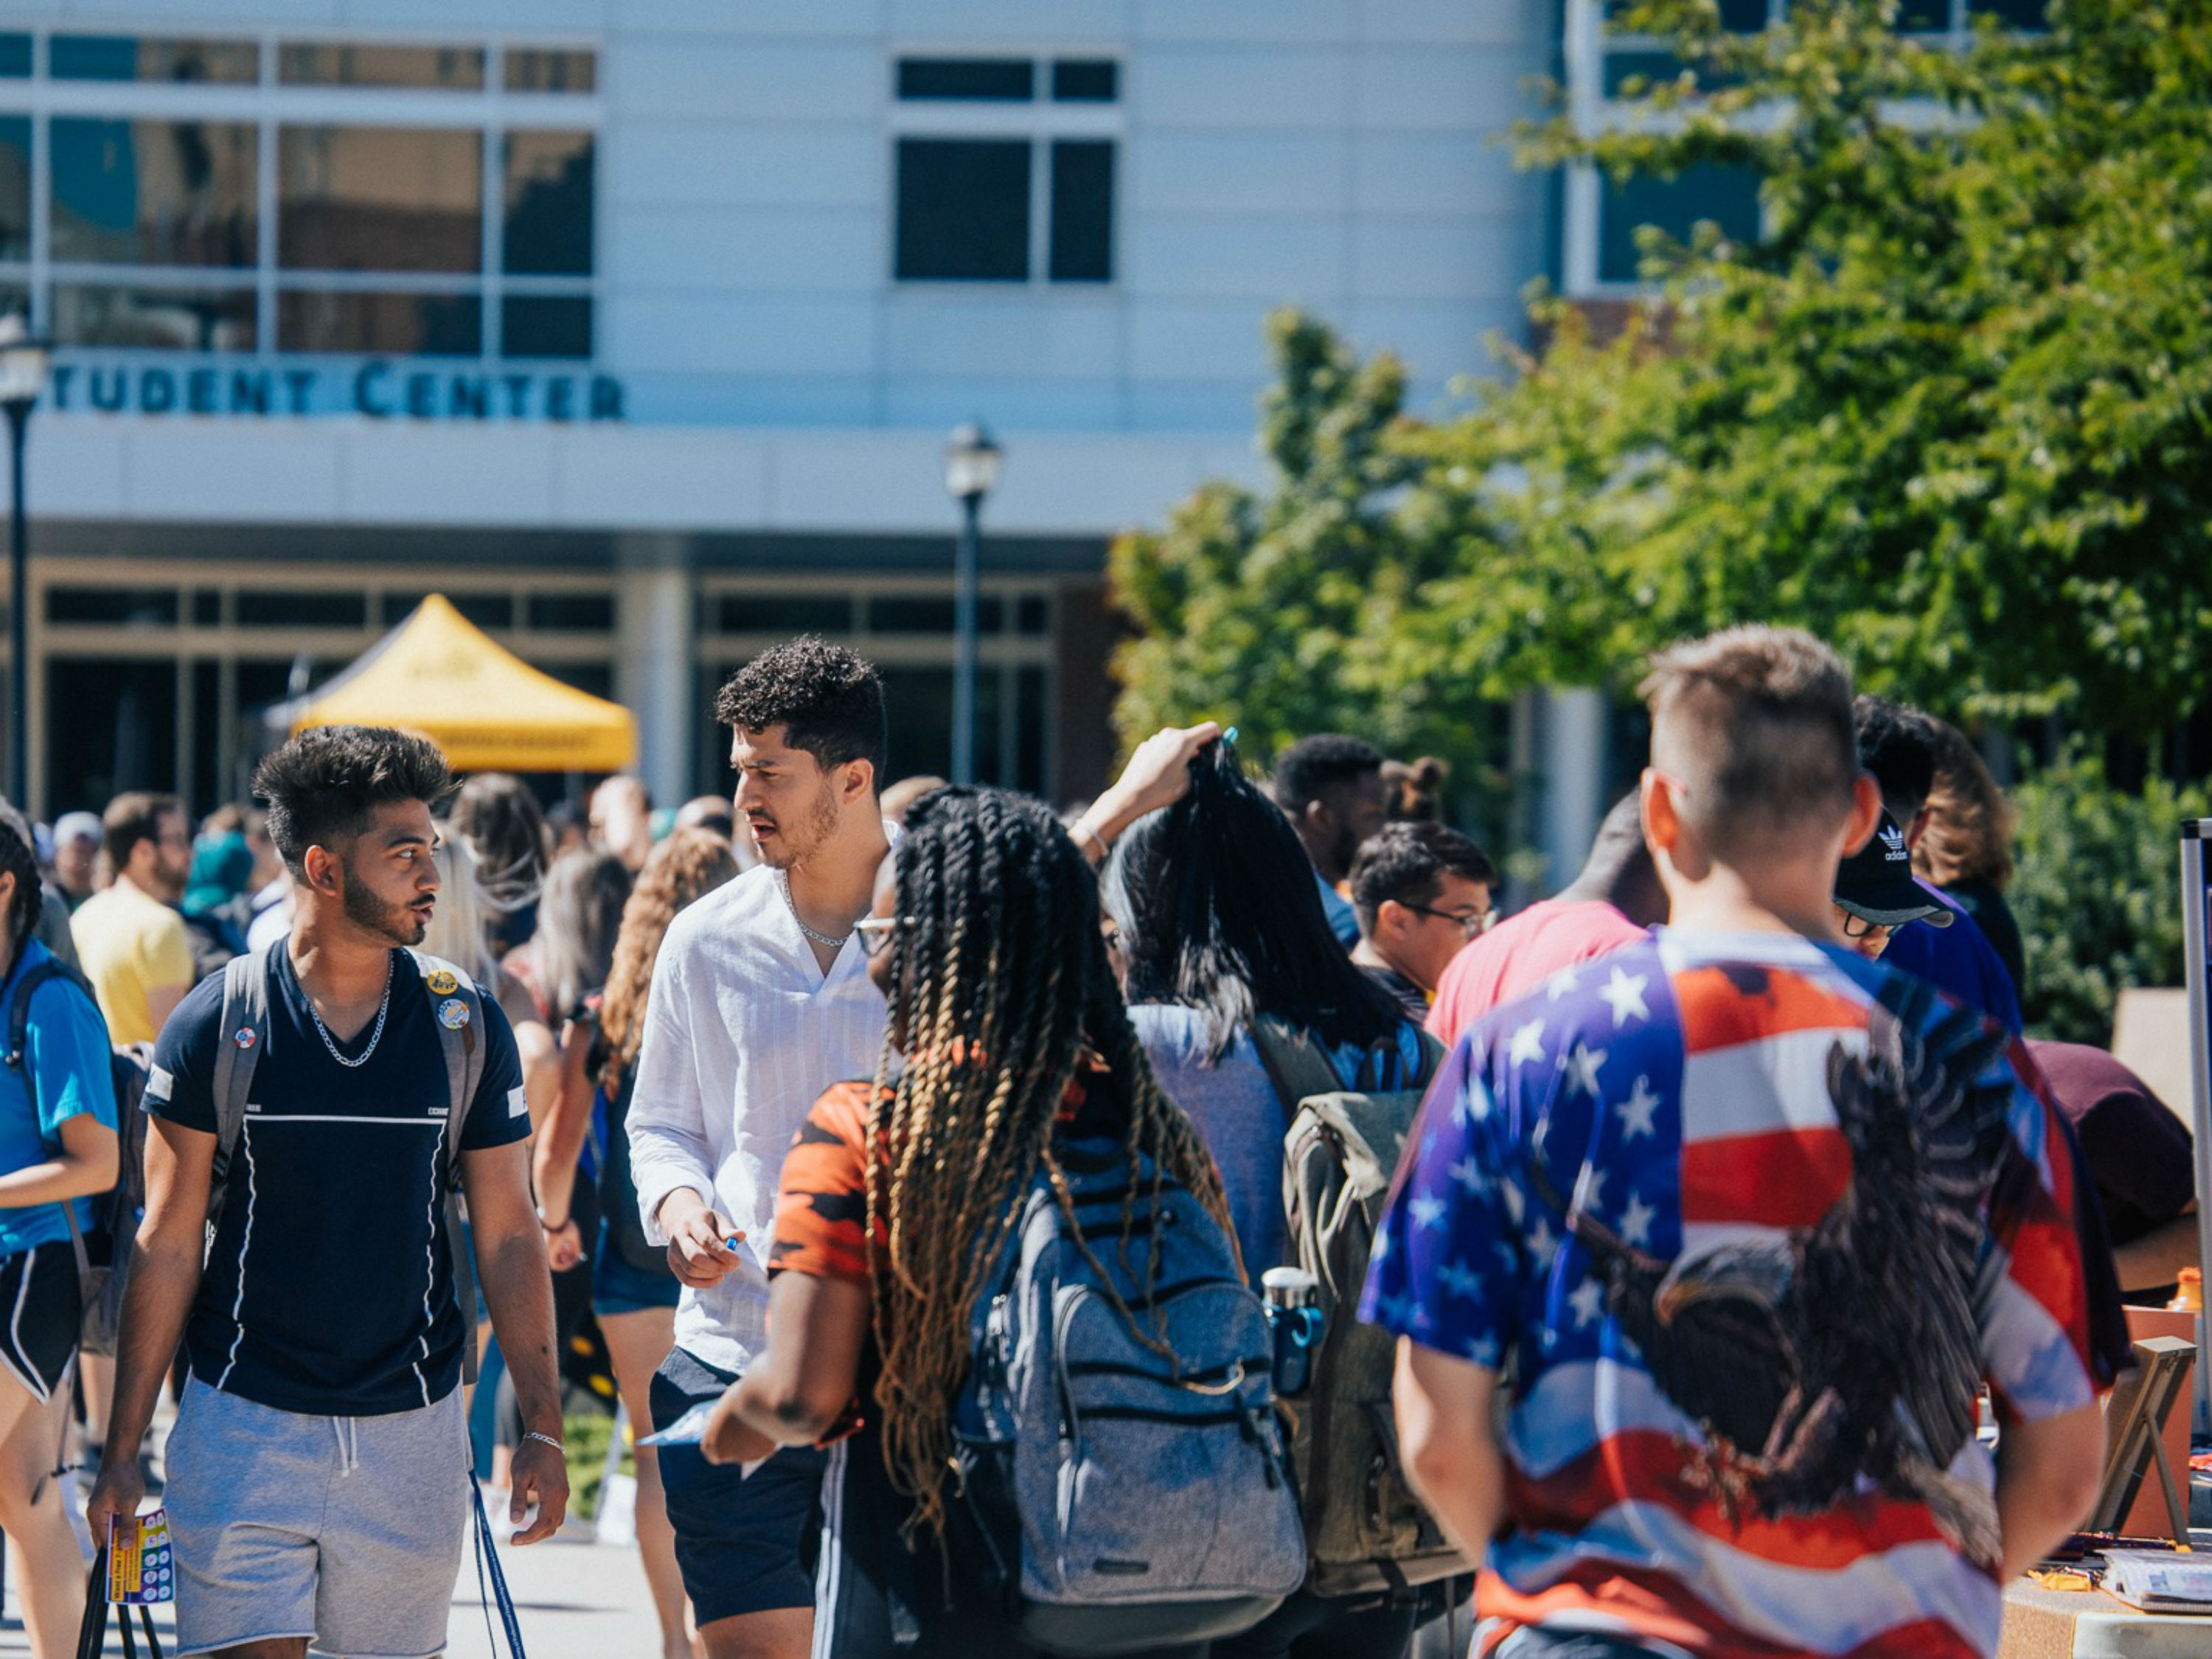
761,1000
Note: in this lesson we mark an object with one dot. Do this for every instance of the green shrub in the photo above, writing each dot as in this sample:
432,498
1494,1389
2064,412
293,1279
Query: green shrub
2097,896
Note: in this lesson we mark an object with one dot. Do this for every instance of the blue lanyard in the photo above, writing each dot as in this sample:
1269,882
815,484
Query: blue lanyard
488,1551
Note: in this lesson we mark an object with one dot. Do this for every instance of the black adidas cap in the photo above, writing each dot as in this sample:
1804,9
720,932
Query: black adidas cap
1875,883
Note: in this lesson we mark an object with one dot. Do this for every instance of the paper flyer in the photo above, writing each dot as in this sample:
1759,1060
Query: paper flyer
141,1563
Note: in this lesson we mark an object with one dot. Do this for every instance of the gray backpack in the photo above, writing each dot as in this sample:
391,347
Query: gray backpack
246,1033
1366,1529
1121,1499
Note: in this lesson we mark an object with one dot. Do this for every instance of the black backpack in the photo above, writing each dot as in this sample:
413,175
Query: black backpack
115,1212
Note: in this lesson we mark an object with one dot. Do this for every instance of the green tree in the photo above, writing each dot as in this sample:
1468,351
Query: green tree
1948,409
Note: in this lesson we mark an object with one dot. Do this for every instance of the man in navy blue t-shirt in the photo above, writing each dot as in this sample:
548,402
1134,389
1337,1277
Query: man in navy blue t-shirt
317,1475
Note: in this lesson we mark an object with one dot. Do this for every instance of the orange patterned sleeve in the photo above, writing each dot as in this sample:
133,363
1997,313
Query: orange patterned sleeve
822,1204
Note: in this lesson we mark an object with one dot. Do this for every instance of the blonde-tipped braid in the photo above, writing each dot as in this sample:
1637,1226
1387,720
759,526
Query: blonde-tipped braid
1000,987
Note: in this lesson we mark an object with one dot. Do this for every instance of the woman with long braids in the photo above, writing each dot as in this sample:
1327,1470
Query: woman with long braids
985,938
57,1146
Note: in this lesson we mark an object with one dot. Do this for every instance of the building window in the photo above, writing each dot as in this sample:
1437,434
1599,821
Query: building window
1726,197
1004,169
456,218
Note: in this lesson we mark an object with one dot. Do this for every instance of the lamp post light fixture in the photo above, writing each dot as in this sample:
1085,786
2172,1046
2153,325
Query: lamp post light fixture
971,472
24,360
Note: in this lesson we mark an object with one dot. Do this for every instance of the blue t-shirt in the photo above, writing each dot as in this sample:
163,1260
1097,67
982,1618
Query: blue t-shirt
329,1290
1343,920
1957,959
65,1053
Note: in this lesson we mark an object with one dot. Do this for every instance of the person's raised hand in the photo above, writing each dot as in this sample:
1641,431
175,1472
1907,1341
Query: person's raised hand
564,1246
539,1475
1157,774
700,1241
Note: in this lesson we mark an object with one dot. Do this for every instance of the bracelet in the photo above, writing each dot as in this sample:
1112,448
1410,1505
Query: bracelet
1096,840
551,1226
548,1440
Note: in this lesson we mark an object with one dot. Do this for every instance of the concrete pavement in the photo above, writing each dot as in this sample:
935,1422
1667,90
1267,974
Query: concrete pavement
577,1600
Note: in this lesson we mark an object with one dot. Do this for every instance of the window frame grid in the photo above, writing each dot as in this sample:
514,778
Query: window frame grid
1038,121
269,105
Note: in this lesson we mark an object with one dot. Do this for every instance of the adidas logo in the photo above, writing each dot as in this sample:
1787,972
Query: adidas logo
1893,839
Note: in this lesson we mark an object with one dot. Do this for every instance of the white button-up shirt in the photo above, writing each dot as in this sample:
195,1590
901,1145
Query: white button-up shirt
743,1034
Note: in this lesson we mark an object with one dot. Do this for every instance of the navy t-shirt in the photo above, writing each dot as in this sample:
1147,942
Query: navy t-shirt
329,1290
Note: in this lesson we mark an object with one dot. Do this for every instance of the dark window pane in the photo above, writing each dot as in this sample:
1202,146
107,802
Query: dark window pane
380,199
485,610
1033,615
2012,14
783,613
404,325
1082,210
204,784
1031,711
1727,196
1650,68
545,326
572,613
154,192
142,607
207,607
548,230
1743,16
262,607
931,615
131,57
334,65
153,318
110,726
918,711
554,69
595,678
14,186
1086,81
999,79
963,209
15,56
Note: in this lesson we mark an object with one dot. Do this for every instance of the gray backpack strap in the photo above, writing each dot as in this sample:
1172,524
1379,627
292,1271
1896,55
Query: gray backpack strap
244,1034
457,1006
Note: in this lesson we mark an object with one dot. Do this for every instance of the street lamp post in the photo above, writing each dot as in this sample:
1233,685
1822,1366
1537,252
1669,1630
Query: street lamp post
22,377
971,469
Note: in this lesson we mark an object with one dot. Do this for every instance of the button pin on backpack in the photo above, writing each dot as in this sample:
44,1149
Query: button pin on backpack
245,1037
452,1014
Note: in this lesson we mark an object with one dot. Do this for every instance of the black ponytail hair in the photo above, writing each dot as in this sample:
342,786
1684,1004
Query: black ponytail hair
1219,911
19,857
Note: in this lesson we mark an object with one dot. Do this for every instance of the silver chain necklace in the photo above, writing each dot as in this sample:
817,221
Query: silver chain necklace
783,886
323,1031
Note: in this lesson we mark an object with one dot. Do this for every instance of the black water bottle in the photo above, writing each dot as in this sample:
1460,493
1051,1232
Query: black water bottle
1295,1321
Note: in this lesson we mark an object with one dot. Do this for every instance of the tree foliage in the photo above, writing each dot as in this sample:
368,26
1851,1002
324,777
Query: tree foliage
1949,411
2097,896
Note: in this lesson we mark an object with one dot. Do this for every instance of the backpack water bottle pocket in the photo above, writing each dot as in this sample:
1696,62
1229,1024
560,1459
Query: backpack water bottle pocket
1171,1478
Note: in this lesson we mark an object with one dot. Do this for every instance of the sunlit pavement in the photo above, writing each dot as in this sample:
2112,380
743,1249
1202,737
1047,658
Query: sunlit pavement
577,1600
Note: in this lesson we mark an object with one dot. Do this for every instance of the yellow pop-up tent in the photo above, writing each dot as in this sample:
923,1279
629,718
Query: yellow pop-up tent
488,710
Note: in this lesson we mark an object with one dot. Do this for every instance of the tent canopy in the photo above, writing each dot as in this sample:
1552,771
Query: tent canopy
488,710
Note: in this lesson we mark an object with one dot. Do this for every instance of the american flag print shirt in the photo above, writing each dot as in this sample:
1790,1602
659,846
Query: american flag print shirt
1746,1218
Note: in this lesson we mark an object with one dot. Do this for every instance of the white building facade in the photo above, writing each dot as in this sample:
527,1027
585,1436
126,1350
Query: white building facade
635,326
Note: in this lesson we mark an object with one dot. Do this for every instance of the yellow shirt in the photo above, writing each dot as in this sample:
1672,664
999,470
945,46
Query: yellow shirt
131,945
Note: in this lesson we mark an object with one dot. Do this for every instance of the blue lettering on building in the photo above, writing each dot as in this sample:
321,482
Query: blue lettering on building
380,388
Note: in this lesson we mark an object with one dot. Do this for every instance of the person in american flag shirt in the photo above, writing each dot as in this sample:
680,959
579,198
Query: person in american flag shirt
1737,1221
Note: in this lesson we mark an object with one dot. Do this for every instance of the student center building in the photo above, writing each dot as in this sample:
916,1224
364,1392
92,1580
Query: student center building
636,328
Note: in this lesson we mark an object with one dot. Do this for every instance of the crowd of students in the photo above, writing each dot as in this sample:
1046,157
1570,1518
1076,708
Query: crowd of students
797,1092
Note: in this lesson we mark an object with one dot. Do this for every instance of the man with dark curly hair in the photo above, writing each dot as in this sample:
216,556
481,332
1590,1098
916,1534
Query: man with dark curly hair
761,1000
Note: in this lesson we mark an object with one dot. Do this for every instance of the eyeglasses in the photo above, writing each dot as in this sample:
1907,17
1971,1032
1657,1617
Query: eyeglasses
1857,926
1473,924
875,932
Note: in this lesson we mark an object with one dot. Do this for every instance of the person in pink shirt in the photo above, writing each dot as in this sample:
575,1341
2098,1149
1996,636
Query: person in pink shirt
1611,903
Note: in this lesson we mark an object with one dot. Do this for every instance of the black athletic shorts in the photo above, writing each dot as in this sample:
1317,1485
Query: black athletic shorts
40,1311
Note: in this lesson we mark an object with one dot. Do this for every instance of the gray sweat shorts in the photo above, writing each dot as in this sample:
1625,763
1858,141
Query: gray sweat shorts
346,1529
